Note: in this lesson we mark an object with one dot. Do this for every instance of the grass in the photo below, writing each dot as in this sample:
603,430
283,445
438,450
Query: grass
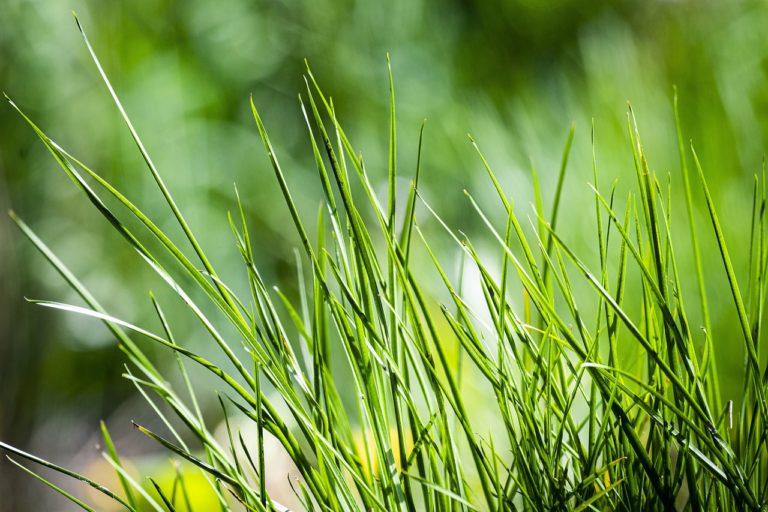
368,347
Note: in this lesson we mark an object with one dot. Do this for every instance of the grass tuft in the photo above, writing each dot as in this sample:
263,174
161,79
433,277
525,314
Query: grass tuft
363,379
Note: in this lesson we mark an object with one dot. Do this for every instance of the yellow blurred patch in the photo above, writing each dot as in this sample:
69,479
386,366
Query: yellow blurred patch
367,443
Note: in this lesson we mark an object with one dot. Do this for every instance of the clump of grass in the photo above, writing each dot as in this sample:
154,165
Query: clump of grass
576,428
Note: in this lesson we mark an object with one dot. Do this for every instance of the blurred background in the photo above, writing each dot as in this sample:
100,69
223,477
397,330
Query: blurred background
515,74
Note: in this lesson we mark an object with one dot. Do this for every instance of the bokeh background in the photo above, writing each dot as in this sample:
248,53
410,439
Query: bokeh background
515,74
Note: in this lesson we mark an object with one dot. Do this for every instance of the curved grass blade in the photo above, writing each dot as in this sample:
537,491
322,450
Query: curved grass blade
77,476
53,486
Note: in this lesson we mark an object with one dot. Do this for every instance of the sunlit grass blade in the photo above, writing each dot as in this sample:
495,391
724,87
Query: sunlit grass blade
116,459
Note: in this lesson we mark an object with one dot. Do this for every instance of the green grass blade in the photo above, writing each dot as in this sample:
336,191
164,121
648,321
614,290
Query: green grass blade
53,486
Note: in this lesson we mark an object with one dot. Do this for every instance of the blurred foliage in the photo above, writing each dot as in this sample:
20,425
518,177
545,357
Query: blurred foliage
514,73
